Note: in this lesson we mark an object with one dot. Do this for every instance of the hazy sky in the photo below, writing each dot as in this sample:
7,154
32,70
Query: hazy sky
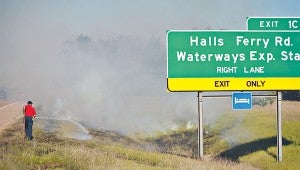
103,63
141,17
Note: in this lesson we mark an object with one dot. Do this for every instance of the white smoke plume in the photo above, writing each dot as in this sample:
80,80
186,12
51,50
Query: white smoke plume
104,64
116,83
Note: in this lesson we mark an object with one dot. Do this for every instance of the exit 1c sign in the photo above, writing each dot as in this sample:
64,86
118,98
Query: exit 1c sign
273,23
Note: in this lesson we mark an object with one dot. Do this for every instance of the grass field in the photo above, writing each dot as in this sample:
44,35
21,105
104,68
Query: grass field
106,150
237,140
261,125
245,137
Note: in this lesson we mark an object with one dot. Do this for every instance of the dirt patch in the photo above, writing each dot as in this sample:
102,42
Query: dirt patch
9,112
3,103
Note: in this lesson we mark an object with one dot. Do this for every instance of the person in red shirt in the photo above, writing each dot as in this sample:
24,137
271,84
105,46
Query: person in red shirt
29,113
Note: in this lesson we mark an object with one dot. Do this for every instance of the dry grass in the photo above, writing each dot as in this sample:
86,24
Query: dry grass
110,150
49,151
290,110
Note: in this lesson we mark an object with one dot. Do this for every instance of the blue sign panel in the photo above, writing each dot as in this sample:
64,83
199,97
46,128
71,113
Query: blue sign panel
242,101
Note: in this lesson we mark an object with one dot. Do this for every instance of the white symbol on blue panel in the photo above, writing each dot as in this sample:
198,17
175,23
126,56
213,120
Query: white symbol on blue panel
241,101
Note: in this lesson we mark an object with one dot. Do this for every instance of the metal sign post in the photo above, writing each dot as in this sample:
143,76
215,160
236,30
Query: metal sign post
279,132
200,125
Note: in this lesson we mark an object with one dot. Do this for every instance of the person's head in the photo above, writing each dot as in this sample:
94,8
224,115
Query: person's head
29,102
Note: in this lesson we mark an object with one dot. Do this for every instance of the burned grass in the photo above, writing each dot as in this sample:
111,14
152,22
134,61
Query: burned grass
105,150
184,142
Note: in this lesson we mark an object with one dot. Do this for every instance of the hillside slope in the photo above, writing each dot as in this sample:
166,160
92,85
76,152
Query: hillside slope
106,150
247,136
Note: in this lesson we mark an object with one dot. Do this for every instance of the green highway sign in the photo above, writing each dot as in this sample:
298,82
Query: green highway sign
233,60
273,23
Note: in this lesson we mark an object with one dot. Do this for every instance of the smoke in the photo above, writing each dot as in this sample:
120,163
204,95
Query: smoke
64,127
104,65
117,83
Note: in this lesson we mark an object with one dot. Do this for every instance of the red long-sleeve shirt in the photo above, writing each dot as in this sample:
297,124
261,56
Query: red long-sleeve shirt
29,110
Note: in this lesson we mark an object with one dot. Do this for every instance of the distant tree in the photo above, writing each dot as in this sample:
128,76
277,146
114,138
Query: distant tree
3,94
263,101
291,95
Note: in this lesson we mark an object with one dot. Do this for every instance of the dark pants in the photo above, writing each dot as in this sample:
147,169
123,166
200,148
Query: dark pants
28,127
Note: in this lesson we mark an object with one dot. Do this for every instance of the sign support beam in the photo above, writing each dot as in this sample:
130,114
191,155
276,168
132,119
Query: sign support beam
201,97
200,125
279,128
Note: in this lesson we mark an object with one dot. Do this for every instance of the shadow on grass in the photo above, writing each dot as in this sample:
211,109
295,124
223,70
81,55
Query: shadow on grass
254,146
